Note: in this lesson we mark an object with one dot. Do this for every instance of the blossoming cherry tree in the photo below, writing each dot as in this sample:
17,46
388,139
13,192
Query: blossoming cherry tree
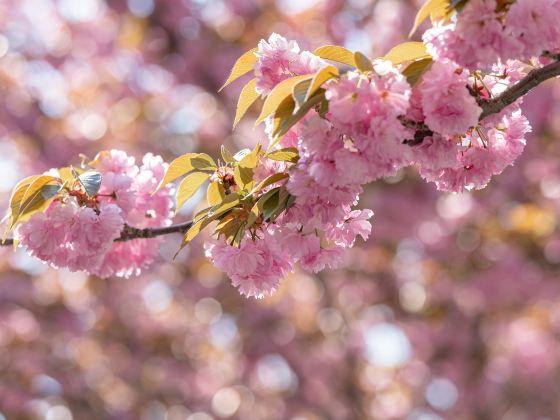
335,121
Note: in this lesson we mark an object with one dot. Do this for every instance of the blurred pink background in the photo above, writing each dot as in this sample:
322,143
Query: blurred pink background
450,311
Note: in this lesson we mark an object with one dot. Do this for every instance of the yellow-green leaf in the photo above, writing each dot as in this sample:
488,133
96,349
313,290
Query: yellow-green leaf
272,179
415,70
203,162
185,164
286,123
243,173
207,216
243,65
104,154
278,94
18,192
363,63
229,202
215,193
289,154
35,188
299,92
284,111
338,54
257,208
226,155
323,75
31,195
247,98
194,230
433,9
15,203
66,175
189,186
177,168
229,226
407,51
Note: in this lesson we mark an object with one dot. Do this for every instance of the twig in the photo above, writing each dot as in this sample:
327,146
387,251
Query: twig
129,233
521,88
498,103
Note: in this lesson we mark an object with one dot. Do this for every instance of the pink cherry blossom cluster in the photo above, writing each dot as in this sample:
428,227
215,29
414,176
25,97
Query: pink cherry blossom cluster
462,153
362,138
313,232
486,31
279,59
81,237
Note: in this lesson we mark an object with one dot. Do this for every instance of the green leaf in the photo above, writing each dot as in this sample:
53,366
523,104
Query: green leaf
270,205
407,51
257,208
363,63
284,201
280,92
289,154
335,53
243,65
91,181
323,108
247,97
189,185
416,69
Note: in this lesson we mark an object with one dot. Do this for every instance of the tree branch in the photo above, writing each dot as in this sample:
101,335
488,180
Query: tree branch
521,88
499,103
129,233
489,107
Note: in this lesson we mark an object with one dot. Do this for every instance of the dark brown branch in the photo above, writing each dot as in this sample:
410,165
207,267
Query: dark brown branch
129,232
521,88
499,103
